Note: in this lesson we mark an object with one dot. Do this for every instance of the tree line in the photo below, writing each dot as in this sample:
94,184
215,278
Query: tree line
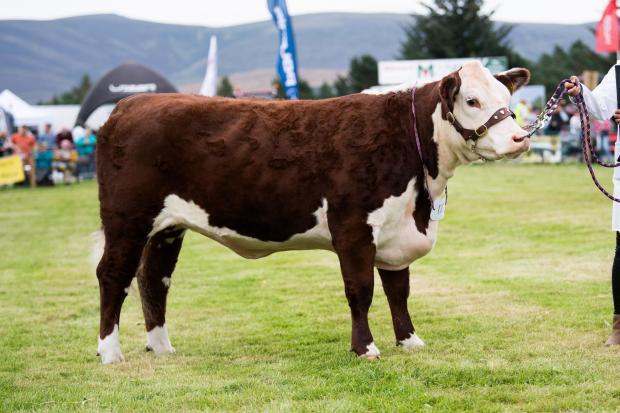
460,28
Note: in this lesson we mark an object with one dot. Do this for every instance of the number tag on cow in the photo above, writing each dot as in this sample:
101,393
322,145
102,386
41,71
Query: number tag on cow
439,209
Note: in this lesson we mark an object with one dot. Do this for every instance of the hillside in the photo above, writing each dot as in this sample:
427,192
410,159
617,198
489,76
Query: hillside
41,58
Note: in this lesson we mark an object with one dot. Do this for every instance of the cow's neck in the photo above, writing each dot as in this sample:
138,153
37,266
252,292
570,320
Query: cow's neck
438,160
444,147
448,157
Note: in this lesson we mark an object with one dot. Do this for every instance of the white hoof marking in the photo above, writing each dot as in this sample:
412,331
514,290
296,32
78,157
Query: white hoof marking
157,341
109,348
372,353
412,342
166,281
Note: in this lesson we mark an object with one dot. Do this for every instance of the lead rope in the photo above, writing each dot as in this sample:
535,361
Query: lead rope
421,153
587,150
584,118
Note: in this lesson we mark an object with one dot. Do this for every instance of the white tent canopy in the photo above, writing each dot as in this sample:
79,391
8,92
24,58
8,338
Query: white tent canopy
23,113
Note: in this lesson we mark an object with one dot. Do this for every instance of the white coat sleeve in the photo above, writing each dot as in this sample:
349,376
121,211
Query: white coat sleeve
602,102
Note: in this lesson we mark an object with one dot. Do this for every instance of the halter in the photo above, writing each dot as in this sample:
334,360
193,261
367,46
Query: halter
473,134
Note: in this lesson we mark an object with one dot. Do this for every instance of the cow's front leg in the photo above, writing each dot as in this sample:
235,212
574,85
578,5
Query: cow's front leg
396,287
357,273
356,254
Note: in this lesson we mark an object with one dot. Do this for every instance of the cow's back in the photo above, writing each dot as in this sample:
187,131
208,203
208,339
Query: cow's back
262,168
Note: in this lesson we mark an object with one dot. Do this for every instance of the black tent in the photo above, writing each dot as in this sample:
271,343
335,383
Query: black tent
120,82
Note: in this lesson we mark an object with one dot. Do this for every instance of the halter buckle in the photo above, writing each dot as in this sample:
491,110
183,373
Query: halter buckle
451,117
481,134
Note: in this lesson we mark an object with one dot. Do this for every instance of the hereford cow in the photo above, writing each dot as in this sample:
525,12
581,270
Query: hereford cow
343,174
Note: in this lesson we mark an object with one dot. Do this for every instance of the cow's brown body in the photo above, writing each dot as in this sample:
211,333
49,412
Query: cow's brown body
260,170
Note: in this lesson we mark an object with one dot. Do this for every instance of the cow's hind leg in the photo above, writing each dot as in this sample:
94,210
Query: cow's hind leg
116,269
396,287
154,277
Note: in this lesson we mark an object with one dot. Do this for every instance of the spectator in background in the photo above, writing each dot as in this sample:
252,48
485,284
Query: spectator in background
559,120
85,144
601,129
574,133
522,112
5,145
77,132
65,163
64,135
47,139
23,143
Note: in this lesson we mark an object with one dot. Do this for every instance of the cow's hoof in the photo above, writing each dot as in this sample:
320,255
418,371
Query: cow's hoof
158,342
372,353
169,350
413,342
111,358
109,348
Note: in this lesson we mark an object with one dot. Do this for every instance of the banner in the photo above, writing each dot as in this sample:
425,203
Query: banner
607,30
287,58
11,170
394,72
209,84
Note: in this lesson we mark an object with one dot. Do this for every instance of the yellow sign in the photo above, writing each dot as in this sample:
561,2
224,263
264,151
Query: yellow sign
11,170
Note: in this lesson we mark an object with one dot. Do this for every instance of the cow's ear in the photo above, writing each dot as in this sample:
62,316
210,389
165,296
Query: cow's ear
515,78
449,87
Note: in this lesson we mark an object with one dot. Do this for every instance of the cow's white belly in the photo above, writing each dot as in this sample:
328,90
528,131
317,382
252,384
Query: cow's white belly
395,234
397,240
178,212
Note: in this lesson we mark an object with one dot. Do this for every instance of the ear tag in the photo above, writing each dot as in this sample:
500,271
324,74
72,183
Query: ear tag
439,209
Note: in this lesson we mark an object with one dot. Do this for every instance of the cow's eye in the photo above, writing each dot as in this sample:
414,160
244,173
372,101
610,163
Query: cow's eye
473,102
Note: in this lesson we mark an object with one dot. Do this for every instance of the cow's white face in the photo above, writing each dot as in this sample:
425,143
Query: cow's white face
476,99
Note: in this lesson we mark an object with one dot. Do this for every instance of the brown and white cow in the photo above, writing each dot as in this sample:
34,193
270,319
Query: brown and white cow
259,177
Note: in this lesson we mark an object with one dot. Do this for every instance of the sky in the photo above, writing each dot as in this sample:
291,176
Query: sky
218,13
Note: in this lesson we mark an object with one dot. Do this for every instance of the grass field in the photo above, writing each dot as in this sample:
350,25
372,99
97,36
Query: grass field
513,303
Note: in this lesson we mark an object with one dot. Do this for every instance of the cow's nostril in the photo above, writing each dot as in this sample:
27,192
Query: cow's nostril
518,139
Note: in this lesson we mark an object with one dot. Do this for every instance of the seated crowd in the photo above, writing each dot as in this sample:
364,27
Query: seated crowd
53,158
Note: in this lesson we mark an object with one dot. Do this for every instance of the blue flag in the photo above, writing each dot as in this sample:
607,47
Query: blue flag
287,58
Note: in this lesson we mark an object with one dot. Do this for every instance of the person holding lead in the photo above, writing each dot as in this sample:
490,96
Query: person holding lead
602,103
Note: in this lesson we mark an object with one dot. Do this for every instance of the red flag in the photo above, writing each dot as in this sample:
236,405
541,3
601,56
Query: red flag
607,30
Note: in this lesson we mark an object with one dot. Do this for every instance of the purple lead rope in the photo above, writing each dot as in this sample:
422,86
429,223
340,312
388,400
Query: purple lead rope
587,150
584,118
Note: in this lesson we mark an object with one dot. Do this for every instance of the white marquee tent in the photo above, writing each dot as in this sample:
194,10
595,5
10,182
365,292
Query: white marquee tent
23,113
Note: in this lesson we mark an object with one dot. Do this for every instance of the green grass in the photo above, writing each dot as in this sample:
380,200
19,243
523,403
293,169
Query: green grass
513,303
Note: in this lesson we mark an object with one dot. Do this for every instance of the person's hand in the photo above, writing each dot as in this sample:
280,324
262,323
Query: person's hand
616,116
572,87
